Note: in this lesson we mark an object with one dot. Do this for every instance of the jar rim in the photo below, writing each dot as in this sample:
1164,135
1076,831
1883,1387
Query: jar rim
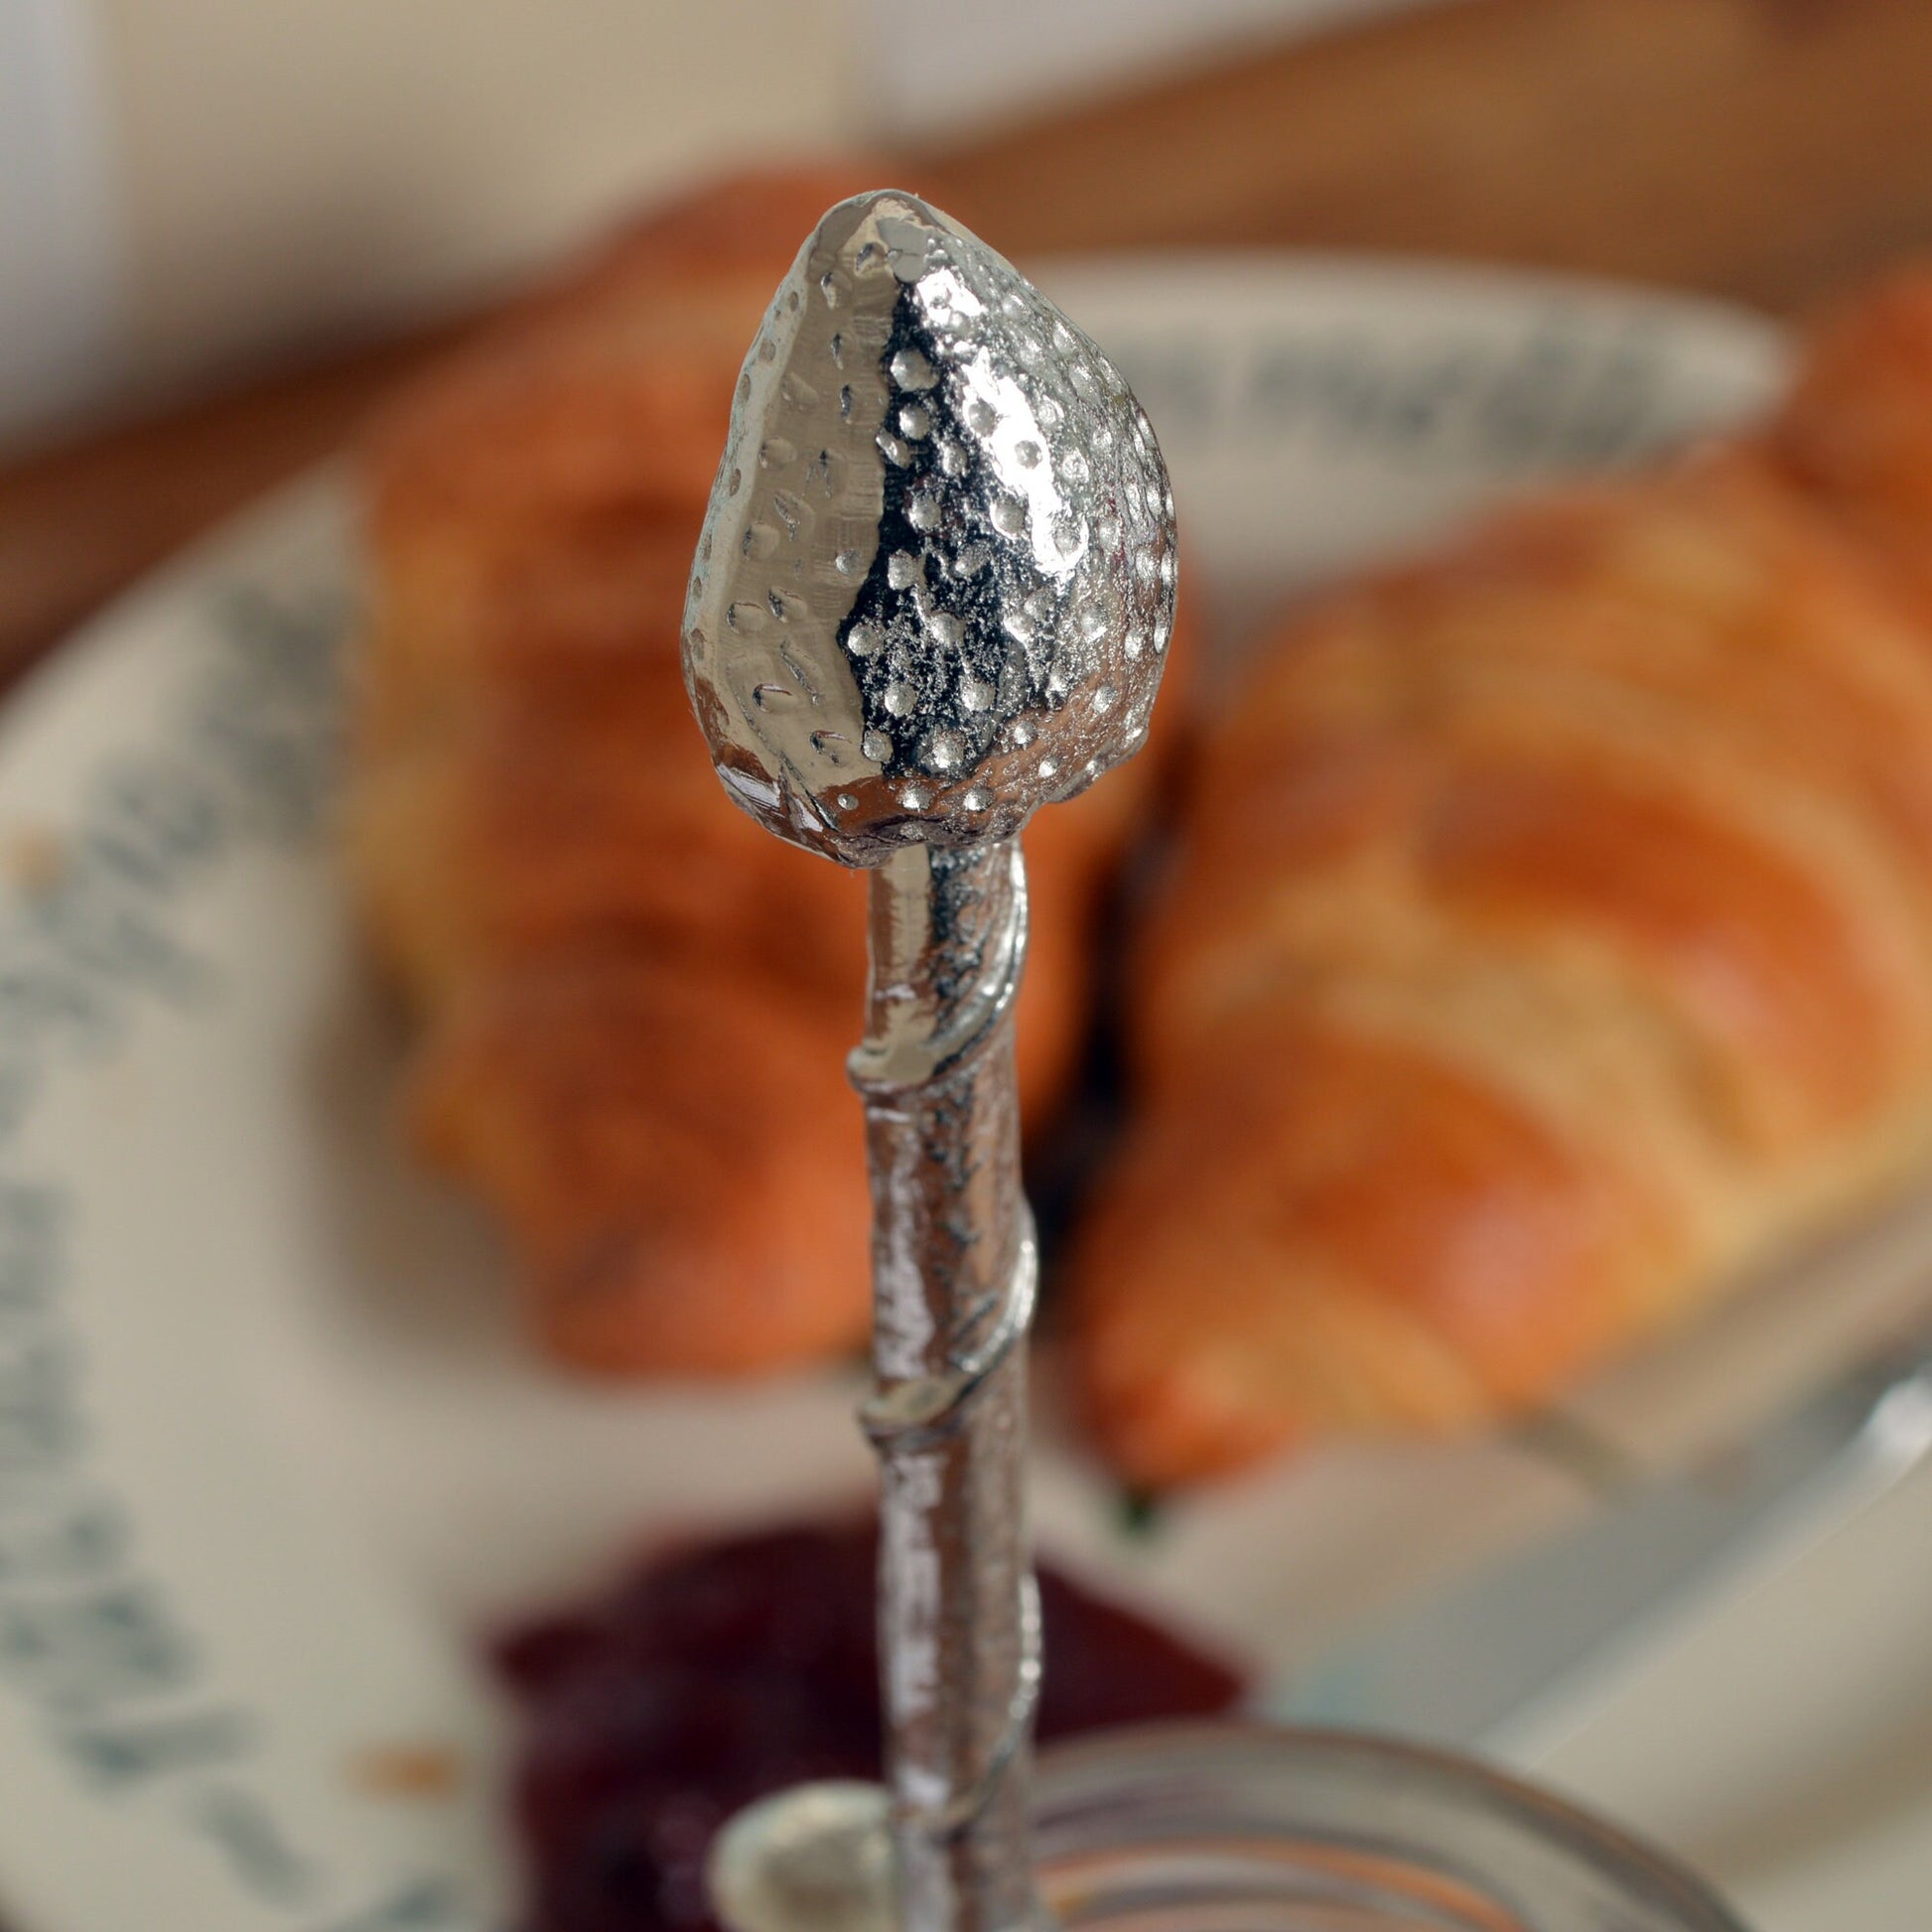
1422,1810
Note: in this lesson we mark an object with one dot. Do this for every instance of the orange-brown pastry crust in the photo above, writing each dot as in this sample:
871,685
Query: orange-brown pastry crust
1552,935
673,1150
634,1003
1857,429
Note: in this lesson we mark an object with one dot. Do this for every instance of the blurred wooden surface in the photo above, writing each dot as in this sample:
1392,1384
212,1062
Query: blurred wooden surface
1768,150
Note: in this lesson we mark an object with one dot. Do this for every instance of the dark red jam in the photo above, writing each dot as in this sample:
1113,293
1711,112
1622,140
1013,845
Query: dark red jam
715,1674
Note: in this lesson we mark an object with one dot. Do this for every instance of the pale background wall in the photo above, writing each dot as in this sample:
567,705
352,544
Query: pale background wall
196,186
287,168
59,260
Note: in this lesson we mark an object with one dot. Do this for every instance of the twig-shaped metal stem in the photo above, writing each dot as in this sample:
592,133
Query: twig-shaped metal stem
953,1270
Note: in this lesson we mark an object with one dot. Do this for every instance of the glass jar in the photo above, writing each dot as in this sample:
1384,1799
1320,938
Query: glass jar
1237,1828
1234,1827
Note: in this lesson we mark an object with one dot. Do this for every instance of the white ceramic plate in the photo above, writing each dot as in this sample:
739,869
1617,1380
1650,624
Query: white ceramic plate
270,1452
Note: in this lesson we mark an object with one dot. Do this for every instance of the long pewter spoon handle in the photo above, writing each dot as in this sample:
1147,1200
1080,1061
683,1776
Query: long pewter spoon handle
934,592
953,1275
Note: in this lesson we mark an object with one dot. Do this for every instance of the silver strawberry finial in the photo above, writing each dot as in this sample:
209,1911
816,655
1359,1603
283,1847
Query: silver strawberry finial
936,586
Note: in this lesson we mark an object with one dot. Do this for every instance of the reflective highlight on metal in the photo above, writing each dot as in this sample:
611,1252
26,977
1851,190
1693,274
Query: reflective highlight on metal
936,586
934,592
954,1272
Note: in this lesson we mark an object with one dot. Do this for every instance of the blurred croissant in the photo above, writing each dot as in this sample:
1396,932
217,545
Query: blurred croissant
634,1003
1550,940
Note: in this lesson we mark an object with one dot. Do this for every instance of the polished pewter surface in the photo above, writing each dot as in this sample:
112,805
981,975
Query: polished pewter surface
953,1273
936,586
934,590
